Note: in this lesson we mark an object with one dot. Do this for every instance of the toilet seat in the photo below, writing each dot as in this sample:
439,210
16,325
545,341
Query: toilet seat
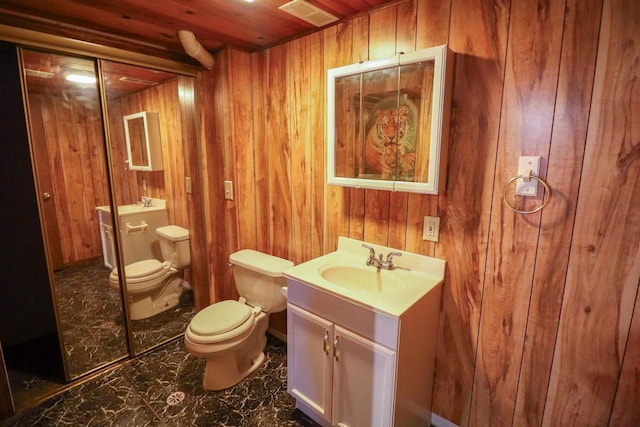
221,321
142,275
144,270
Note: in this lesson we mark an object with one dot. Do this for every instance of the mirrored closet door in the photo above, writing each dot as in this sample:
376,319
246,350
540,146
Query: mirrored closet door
70,165
113,155
151,121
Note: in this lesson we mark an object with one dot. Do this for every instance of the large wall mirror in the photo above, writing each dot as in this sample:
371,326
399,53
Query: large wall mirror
161,106
69,159
387,122
103,222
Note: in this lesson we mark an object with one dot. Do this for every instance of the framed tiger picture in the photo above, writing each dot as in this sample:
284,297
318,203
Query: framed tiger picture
385,122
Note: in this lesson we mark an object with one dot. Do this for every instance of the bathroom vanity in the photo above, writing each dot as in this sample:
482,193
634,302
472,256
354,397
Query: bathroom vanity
138,224
362,340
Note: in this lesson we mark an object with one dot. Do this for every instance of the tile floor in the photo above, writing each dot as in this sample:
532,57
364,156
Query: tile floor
164,388
92,320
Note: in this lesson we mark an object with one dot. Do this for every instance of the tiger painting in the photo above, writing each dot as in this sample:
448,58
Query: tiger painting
390,144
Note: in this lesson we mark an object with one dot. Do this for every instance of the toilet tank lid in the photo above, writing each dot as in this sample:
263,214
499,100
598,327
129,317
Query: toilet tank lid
173,232
268,265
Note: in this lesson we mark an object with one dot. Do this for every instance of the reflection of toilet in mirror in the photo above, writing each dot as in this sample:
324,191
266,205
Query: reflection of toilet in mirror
231,334
153,286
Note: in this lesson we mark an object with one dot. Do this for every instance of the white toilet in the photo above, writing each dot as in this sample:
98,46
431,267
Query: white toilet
153,286
231,334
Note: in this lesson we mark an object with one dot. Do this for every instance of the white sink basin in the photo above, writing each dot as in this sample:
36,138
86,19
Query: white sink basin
363,278
345,273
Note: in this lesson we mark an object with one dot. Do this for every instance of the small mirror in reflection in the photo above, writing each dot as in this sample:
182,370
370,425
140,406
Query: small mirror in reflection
137,145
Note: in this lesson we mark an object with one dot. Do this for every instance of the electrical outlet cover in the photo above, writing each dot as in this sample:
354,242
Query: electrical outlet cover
431,230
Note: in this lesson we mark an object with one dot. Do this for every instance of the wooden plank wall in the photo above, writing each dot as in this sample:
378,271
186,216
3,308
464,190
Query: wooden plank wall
72,134
168,183
74,137
540,323
74,140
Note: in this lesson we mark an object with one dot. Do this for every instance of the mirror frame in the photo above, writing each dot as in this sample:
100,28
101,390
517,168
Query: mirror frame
151,139
438,127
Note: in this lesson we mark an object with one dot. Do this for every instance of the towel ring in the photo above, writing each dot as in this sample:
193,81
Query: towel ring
544,201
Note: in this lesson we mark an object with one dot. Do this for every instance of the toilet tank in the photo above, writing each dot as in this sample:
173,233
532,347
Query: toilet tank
259,278
174,244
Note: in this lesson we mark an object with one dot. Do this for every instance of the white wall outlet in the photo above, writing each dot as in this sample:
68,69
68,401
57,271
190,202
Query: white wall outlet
228,190
187,185
431,230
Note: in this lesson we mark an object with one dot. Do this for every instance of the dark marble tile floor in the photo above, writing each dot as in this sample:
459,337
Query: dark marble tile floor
34,369
164,388
93,333
92,320
90,317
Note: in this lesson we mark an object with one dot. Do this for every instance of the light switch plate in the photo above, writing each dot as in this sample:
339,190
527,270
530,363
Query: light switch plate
187,184
228,190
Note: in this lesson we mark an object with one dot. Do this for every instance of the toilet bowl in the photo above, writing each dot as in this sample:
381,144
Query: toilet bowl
231,335
154,286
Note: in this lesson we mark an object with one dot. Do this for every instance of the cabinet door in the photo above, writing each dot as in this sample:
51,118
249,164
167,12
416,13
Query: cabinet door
363,381
108,246
309,360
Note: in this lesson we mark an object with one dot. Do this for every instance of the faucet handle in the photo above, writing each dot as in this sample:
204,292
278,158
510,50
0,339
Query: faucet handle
372,252
390,256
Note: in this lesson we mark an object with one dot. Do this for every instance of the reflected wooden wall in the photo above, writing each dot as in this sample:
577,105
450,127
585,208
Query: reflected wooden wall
168,183
75,152
172,100
69,143
540,323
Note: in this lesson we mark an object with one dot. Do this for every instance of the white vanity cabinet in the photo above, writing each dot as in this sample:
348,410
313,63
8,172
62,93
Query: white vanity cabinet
352,365
108,241
137,231
339,378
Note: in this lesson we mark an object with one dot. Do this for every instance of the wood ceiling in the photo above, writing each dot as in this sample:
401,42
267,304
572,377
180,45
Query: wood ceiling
150,26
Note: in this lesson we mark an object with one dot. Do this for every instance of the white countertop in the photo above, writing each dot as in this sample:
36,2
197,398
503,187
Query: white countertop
420,273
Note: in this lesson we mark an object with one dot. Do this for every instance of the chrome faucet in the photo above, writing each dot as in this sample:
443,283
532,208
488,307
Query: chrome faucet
388,264
147,202
379,262
372,260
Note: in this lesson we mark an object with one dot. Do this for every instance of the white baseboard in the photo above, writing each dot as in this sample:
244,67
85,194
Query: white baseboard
438,421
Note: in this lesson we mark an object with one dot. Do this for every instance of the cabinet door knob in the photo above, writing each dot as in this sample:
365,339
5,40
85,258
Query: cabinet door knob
325,343
336,353
46,197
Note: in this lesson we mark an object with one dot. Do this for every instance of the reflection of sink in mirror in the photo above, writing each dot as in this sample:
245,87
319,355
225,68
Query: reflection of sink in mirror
137,225
156,204
363,278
